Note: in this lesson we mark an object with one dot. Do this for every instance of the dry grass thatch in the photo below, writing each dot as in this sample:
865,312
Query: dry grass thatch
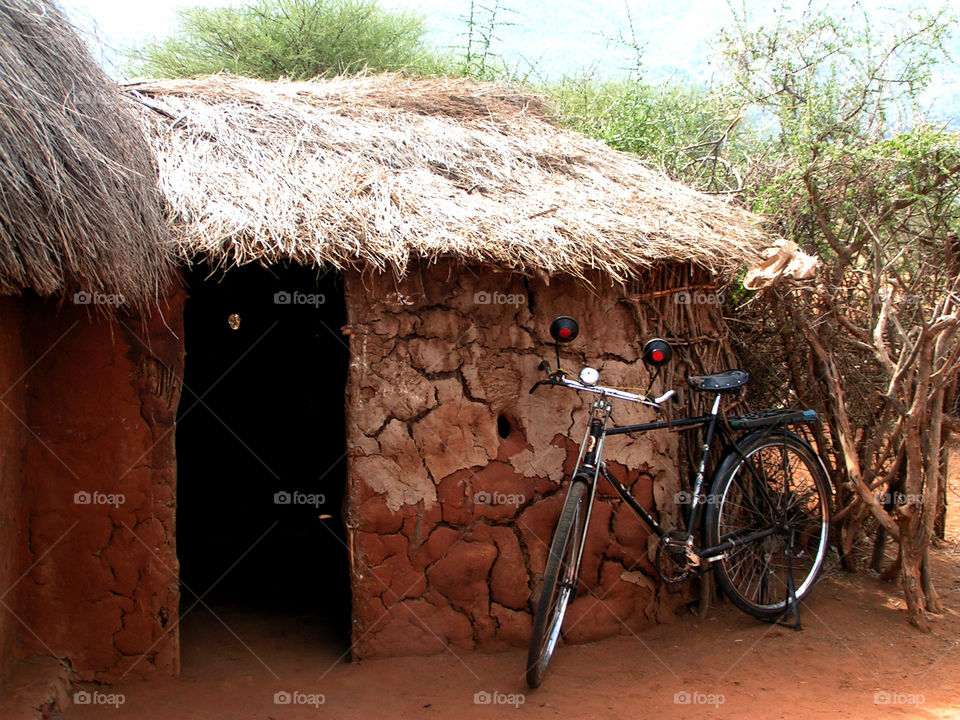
376,170
79,206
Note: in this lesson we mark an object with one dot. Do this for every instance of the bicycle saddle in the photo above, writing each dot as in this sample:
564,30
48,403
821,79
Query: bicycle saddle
719,382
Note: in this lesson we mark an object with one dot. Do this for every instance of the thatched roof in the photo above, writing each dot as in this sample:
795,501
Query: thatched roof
376,170
78,200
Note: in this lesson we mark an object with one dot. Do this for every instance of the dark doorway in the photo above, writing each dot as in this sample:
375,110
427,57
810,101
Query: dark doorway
261,448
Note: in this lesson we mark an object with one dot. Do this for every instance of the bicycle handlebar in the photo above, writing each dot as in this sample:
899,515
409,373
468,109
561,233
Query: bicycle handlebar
558,378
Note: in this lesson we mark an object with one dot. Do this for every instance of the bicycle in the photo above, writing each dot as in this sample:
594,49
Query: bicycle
767,516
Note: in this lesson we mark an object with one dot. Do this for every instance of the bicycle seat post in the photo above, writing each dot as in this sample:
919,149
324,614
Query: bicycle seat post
702,468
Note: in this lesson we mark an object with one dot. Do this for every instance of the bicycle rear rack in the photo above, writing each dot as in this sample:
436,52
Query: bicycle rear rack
771,418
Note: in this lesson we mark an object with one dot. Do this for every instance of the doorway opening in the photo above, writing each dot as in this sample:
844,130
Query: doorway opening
261,460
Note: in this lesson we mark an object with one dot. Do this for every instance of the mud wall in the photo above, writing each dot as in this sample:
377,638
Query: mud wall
100,482
13,438
454,481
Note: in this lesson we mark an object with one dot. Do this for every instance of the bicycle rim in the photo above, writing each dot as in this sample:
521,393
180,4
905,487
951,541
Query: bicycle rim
783,487
559,584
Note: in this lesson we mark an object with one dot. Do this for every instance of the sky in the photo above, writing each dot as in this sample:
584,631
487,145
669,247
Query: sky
582,33
558,37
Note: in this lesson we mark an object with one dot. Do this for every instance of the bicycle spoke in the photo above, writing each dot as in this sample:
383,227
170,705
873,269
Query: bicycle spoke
776,486
759,484
757,575
751,551
737,534
751,507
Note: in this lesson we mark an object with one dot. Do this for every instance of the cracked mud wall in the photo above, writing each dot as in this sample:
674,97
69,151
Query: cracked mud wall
101,488
455,469
13,443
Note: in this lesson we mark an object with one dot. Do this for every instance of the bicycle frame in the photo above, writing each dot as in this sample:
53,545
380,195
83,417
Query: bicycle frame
590,465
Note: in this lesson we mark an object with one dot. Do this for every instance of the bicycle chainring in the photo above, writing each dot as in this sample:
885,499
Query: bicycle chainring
672,564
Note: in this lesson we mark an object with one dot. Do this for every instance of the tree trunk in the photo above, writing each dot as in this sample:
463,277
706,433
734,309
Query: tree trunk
911,570
892,572
879,546
933,598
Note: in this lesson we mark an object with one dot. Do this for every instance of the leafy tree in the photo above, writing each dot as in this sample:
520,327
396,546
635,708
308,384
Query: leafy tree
476,57
297,39
850,171
688,132
694,134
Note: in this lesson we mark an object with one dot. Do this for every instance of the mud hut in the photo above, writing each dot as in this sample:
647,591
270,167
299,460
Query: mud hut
331,400
80,233
442,224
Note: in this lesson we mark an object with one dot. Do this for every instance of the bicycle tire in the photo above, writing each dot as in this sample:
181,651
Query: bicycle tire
789,488
558,576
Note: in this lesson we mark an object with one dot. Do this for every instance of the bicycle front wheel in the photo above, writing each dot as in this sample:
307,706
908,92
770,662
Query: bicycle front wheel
778,484
559,582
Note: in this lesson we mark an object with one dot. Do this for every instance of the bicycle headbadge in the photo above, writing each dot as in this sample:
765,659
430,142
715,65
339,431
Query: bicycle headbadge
564,329
657,353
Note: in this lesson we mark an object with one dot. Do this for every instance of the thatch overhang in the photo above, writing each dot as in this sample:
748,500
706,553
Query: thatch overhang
379,170
79,207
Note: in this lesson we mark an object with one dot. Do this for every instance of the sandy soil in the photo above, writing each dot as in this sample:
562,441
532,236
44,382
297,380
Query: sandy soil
856,657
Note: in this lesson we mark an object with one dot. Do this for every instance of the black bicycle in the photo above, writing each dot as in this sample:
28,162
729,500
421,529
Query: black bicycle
767,514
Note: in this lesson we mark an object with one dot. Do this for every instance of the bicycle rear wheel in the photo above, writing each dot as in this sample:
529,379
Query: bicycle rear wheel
559,582
779,484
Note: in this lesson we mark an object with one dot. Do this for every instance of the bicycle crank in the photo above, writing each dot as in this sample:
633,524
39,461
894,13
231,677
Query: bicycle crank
676,561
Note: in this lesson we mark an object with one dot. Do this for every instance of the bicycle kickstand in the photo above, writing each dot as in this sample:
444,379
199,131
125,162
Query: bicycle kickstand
792,587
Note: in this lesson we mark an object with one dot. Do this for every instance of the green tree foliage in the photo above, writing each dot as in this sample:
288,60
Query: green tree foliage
830,90
688,132
826,77
476,56
297,39
850,170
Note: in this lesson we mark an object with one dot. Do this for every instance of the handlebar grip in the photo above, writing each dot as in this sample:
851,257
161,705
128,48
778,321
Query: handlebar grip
668,395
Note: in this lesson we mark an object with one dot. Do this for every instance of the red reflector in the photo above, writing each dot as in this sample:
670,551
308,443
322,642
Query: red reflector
564,332
657,355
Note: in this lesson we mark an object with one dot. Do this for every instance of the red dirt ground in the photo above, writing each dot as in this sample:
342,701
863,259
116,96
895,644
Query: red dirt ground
856,657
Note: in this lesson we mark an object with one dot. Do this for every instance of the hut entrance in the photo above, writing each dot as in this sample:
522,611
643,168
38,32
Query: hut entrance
261,460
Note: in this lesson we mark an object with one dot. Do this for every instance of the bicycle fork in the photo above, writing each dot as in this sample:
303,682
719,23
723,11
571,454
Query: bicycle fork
588,464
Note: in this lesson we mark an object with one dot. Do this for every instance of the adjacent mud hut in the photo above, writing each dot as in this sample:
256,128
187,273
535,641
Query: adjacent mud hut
81,232
331,399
